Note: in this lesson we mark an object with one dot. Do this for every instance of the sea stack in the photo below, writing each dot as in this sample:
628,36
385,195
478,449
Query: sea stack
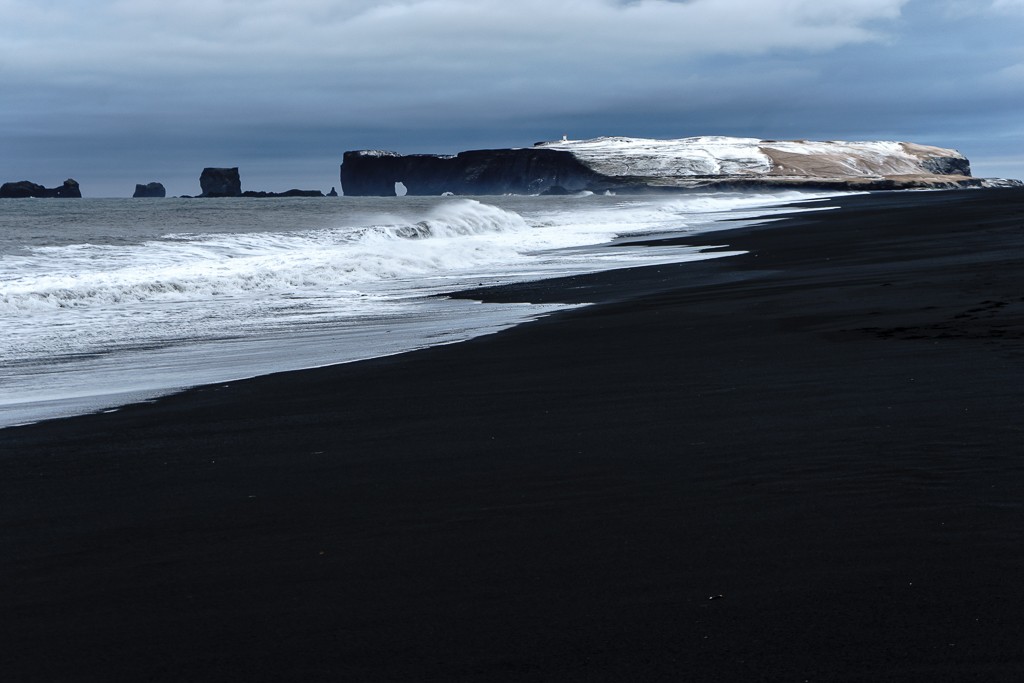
25,189
220,182
150,190
625,165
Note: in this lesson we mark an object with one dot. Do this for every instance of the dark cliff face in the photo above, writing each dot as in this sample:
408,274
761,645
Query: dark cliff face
25,189
947,166
480,172
220,182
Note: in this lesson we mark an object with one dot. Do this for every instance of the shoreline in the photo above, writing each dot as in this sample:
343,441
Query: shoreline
94,380
802,461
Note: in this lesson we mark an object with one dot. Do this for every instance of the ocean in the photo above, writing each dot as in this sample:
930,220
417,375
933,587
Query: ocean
106,302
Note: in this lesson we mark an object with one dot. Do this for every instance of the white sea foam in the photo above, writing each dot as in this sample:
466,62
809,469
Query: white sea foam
115,307
185,267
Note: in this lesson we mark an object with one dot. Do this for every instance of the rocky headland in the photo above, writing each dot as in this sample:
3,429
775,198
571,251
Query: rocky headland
25,189
634,165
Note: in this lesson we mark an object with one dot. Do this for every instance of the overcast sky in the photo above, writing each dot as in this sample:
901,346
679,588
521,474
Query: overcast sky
113,93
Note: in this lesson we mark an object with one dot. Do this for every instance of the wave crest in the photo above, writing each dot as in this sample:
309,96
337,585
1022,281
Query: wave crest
461,218
308,263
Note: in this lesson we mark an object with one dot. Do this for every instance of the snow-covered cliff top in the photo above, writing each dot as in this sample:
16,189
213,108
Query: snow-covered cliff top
728,156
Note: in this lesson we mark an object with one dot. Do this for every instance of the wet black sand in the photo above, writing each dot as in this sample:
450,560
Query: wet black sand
806,463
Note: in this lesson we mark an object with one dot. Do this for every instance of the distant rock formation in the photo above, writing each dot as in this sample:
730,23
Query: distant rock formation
225,182
332,193
286,193
150,190
25,189
220,182
626,165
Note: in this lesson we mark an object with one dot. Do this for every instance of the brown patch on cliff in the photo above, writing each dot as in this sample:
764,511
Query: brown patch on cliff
792,164
824,165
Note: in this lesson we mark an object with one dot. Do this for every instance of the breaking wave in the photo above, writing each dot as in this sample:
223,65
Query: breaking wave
193,266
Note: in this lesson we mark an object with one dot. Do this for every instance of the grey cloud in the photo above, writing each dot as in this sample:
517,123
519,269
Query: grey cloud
259,82
117,37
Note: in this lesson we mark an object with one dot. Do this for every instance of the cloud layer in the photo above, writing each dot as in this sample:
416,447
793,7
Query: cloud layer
269,82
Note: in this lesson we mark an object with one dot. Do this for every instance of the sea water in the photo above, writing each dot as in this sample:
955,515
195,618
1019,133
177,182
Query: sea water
104,302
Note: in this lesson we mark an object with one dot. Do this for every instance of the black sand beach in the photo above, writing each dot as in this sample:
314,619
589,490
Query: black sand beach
804,463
